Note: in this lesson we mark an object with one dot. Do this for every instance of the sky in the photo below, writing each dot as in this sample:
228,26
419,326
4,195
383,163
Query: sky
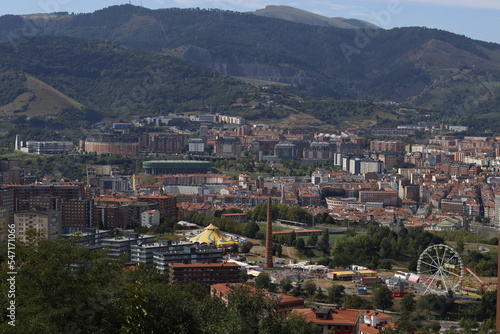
477,19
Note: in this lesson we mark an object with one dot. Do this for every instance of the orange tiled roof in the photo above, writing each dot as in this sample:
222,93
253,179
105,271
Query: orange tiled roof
367,329
335,317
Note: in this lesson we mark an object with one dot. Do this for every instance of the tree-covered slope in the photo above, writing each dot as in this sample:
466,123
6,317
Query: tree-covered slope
113,79
397,64
452,75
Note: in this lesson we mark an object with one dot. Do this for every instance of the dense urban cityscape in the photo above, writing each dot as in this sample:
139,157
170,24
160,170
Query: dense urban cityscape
171,214
200,170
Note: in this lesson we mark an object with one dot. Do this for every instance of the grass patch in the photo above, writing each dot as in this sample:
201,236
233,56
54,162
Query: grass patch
333,238
40,100
171,237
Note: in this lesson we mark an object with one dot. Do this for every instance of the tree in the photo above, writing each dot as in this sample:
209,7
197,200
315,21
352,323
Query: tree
468,324
434,303
246,247
251,229
382,298
251,311
324,243
313,240
310,287
296,324
297,292
460,246
293,238
335,293
279,249
355,301
64,288
300,244
408,304
488,305
320,294
263,281
286,284
385,264
57,278
243,275
487,326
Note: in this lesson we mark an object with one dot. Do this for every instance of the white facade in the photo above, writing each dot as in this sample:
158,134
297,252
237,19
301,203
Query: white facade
231,119
150,218
373,166
320,176
196,145
44,147
203,118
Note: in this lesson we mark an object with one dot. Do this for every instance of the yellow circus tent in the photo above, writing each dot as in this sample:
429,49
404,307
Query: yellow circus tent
211,235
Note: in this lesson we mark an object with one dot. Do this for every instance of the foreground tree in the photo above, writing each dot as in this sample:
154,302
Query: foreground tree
335,293
416,322
408,304
357,302
263,281
286,284
64,288
310,288
382,298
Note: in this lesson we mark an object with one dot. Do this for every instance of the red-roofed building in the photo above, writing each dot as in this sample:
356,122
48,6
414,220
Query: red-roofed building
167,205
341,321
285,303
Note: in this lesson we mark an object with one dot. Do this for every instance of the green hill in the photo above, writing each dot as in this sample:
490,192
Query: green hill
113,79
39,100
451,77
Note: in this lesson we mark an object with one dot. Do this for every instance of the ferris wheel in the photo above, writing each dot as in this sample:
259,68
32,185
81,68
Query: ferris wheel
440,267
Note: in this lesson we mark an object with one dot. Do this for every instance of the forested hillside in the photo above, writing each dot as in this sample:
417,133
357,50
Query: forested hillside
449,77
350,63
113,79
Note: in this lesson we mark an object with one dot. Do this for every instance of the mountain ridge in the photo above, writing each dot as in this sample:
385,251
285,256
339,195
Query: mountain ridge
302,16
425,68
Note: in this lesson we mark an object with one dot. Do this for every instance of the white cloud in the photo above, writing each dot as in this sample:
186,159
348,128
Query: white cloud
480,4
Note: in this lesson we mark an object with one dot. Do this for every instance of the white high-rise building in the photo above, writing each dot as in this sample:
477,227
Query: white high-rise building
150,218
